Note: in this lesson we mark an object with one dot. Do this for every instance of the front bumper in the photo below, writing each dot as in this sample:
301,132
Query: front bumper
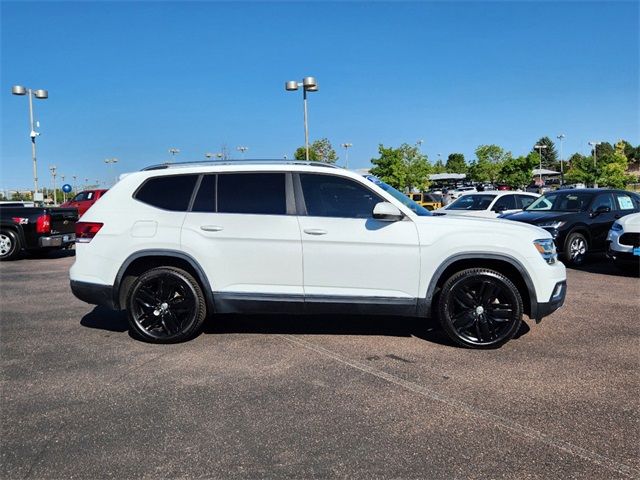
93,293
62,240
556,301
623,257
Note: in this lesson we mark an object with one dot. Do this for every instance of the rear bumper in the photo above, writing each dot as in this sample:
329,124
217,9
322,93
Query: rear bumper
93,293
555,302
61,240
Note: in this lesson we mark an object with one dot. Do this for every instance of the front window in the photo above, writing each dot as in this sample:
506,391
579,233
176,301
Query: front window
561,202
472,202
402,198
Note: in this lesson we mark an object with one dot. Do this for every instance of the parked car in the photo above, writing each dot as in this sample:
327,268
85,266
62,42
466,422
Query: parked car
35,229
623,243
84,200
430,201
578,220
172,243
459,191
489,204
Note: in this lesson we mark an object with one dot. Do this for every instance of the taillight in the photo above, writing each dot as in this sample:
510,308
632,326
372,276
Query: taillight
85,231
43,223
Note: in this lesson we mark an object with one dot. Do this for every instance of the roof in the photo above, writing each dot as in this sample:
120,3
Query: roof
544,171
447,176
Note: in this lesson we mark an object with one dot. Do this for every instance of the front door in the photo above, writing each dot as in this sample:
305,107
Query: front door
349,256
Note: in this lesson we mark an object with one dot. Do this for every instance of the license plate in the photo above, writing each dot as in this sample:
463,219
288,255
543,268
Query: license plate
636,251
65,238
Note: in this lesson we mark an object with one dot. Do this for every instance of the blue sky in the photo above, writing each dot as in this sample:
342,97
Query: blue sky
132,79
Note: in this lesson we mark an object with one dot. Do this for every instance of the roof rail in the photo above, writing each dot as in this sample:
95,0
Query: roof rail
162,166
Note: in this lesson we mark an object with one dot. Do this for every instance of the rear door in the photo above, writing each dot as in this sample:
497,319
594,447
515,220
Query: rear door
243,230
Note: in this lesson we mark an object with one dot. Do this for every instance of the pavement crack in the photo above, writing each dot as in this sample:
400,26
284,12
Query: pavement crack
502,422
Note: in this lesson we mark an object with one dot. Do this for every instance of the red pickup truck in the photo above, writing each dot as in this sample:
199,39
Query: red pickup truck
83,200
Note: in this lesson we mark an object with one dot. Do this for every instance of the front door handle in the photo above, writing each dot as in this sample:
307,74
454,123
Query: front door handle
315,231
211,228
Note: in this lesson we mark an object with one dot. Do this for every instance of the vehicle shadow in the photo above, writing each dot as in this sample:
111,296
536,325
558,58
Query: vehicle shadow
425,329
599,263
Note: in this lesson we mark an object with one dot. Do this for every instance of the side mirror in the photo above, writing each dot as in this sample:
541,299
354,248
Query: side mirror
387,212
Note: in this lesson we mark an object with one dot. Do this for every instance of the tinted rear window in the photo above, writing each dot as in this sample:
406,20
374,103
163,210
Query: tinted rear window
257,193
169,193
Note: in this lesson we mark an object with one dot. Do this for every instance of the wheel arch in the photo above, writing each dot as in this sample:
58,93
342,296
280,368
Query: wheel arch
144,260
509,266
17,229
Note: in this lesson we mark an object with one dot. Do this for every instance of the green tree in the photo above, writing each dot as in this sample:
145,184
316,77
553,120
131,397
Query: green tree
404,168
456,163
319,151
549,154
439,167
632,153
489,160
517,172
608,170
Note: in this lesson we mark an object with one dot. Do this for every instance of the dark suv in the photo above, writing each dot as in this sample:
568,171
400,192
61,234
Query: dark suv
578,219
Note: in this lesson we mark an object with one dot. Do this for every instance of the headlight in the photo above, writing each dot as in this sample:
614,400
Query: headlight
547,249
616,227
556,224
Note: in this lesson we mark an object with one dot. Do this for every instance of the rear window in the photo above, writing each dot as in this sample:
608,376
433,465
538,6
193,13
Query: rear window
252,193
169,192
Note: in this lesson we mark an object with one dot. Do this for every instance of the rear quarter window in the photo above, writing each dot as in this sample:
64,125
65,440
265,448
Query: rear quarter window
171,192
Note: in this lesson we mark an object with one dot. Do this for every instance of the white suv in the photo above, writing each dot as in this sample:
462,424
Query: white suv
174,243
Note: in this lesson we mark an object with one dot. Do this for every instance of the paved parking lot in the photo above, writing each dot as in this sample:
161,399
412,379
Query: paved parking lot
277,397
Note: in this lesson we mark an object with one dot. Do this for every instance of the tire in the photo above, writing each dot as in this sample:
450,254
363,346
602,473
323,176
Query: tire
576,248
480,308
9,245
165,305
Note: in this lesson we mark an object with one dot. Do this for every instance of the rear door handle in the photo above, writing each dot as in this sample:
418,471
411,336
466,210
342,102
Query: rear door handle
211,228
315,231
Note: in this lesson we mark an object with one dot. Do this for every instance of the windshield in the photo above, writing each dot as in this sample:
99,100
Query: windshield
561,202
401,197
472,202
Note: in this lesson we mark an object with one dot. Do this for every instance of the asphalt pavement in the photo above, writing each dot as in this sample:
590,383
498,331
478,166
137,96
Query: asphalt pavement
316,397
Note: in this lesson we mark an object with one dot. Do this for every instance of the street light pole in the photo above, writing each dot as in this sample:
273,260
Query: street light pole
540,147
308,84
111,162
55,195
40,94
347,146
75,184
561,137
595,146
64,194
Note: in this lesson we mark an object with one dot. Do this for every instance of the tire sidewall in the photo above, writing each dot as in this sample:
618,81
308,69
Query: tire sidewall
187,331
459,278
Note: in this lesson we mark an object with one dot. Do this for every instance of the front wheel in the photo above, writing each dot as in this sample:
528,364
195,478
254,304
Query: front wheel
575,249
166,305
480,308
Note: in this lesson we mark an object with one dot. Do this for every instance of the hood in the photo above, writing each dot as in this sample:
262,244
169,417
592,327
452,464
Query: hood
537,217
482,224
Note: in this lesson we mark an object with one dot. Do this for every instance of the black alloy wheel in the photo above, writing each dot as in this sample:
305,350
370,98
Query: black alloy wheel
480,308
166,305
575,249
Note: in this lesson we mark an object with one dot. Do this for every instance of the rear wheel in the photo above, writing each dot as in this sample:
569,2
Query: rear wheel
9,245
480,308
166,305
575,249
